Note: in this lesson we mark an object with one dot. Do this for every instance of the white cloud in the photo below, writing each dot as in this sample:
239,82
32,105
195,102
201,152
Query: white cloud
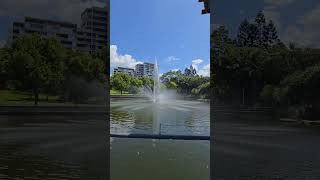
205,70
118,60
294,34
172,59
272,10
64,10
311,18
306,30
274,15
175,69
196,62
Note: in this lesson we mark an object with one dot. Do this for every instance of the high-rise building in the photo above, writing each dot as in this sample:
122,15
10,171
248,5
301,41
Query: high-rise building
90,37
139,70
148,69
129,71
145,69
62,31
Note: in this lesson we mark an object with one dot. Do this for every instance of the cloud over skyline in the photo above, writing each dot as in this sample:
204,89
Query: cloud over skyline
305,31
204,70
119,60
128,61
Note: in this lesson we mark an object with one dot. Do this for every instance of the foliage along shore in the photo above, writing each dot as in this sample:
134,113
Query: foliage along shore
256,68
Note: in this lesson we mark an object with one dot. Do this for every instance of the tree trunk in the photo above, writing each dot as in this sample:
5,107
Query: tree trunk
47,98
121,92
36,96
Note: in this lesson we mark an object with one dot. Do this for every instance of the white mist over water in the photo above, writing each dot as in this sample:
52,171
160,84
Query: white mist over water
168,111
157,94
156,82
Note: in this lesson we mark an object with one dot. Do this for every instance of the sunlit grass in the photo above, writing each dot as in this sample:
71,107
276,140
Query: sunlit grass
10,96
117,93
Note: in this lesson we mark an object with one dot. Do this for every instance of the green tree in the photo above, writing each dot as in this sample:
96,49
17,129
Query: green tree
247,34
258,34
272,34
146,81
261,33
84,69
55,55
5,58
28,65
121,82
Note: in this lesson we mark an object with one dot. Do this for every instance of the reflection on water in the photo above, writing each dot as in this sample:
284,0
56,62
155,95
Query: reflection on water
170,117
52,147
144,159
72,147
16,164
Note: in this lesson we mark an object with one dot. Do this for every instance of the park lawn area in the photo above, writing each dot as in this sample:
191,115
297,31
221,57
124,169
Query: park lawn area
117,93
15,97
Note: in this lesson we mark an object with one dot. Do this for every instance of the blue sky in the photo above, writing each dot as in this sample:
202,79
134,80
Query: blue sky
173,31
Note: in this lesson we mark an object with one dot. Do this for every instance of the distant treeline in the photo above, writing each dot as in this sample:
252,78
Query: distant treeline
187,83
256,67
38,65
125,82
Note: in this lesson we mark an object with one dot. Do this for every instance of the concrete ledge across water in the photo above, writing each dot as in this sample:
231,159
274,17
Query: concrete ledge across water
159,136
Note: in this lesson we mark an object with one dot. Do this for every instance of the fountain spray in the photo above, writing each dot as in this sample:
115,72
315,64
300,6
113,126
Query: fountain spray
156,83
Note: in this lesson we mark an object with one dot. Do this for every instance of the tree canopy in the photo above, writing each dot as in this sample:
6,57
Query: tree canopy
256,67
41,65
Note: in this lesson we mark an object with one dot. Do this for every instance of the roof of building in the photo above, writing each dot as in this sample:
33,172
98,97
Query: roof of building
96,9
46,21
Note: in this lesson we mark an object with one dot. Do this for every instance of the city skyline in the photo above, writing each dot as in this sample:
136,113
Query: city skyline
88,37
145,69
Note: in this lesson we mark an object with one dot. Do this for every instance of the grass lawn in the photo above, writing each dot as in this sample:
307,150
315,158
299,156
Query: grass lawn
117,93
20,98
8,97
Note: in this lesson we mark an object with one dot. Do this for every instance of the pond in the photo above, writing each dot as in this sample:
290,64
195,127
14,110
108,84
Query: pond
140,159
73,146
52,147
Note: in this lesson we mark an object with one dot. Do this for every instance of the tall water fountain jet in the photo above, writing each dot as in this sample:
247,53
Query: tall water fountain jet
156,82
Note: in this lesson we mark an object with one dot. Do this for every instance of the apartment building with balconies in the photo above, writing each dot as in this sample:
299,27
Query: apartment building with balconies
90,37
129,71
145,69
64,32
